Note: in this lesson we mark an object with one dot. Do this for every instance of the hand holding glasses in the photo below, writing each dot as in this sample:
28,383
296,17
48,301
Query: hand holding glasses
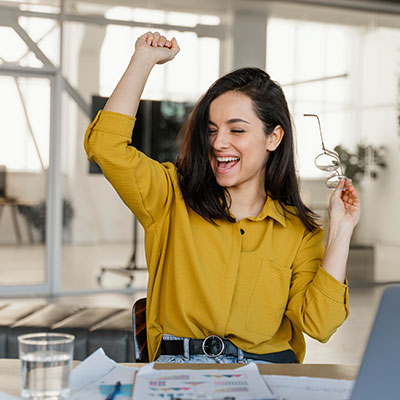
328,161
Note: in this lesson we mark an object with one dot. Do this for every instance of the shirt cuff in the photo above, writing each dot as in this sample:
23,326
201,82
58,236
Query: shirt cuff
331,287
112,122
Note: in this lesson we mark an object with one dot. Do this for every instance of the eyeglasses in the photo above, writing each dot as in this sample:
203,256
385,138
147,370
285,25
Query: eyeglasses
328,161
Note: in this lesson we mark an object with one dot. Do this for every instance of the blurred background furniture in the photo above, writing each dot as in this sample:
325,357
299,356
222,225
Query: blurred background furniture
93,327
12,203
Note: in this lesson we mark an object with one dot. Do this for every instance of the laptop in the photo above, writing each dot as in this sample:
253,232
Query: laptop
379,374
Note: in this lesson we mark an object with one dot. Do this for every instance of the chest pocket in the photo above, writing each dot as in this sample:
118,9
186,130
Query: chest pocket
268,299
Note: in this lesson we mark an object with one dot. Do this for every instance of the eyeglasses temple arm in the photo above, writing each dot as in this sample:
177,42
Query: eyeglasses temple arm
331,153
320,130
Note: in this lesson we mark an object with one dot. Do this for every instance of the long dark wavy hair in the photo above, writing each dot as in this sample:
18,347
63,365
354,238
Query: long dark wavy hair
197,181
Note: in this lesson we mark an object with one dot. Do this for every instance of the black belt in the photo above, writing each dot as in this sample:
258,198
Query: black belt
214,346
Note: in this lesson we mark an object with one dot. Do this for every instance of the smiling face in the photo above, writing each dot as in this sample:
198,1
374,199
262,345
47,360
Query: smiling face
239,147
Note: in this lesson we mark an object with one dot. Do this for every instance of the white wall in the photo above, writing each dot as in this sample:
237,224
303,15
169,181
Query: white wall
379,125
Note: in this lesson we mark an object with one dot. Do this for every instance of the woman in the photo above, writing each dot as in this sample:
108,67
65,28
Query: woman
237,265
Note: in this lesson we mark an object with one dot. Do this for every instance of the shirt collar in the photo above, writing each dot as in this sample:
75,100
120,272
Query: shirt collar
272,209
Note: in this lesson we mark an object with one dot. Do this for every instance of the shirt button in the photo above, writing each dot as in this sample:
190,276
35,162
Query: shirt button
242,231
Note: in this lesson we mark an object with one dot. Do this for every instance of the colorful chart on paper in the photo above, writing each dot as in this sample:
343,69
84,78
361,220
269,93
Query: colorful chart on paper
244,383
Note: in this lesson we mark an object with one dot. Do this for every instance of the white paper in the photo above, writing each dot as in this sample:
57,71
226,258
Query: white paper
90,370
95,370
305,388
244,383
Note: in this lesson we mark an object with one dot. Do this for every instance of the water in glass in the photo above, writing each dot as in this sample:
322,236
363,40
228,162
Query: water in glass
45,375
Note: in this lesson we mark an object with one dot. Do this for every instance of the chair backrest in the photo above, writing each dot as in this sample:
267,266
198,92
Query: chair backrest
3,181
139,330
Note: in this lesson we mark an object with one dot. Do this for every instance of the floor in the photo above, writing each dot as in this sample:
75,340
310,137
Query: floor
79,275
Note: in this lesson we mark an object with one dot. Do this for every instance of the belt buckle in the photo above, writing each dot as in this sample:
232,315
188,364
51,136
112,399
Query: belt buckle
211,338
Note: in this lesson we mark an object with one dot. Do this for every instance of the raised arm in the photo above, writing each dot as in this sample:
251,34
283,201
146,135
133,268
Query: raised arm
133,175
344,214
150,49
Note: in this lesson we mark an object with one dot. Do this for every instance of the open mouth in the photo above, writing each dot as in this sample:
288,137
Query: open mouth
225,164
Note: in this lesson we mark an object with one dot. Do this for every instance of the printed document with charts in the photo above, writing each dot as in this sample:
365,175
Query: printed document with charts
244,383
304,388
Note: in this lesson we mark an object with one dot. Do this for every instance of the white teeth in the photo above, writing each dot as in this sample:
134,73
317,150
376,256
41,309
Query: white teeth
227,159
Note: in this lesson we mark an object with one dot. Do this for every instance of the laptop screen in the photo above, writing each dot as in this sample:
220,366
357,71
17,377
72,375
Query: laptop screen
379,374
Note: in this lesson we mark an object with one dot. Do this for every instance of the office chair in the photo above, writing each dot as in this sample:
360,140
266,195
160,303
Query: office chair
139,330
131,267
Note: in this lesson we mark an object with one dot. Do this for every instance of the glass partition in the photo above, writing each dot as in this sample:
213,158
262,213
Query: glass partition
24,156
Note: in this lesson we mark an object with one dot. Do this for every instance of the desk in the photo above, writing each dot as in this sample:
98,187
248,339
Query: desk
13,203
10,371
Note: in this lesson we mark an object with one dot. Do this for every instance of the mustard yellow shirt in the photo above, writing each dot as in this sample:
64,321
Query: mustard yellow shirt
257,282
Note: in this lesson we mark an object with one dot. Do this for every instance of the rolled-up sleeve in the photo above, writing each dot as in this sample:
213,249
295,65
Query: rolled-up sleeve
318,303
142,183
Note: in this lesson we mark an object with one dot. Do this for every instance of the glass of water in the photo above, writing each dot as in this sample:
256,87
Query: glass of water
46,365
